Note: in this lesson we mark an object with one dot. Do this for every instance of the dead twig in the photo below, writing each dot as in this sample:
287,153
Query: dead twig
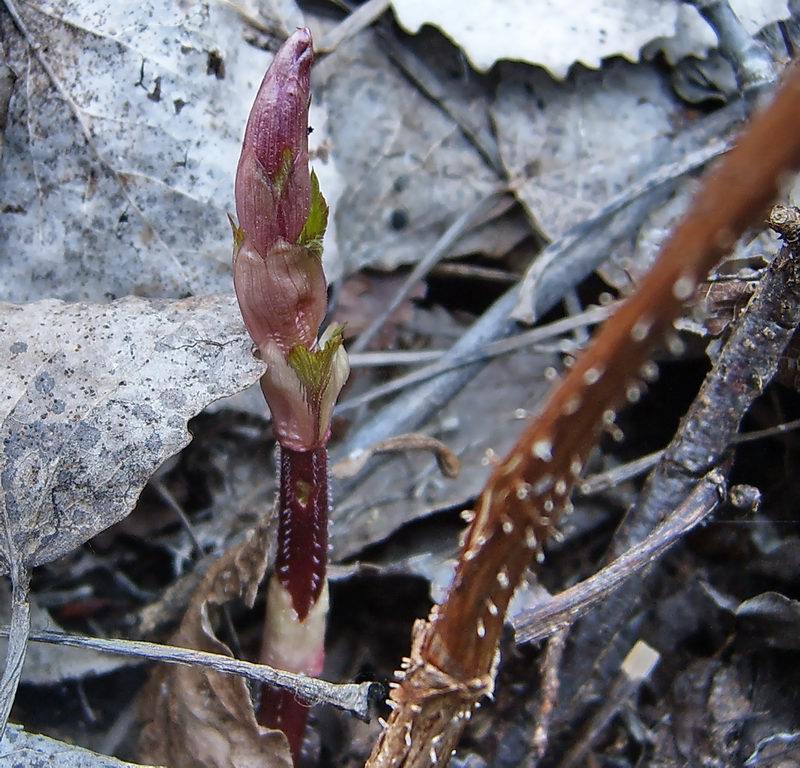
635,670
18,636
363,16
351,697
548,694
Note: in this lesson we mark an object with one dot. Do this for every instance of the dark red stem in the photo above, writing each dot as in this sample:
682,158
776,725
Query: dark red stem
300,567
303,525
282,710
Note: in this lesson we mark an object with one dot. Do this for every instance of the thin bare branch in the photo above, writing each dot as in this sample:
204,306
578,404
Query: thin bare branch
351,697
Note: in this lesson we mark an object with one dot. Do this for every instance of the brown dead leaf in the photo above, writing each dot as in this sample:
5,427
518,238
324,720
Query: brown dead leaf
364,296
197,718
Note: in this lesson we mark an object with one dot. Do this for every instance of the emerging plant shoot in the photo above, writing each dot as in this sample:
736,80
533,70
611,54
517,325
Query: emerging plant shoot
280,285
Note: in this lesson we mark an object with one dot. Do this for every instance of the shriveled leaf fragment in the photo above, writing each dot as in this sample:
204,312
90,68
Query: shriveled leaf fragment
29,750
570,147
202,719
118,170
555,34
772,619
94,398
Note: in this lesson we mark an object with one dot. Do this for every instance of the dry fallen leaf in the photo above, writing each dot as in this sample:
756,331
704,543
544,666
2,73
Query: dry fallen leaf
571,147
95,398
204,719
555,35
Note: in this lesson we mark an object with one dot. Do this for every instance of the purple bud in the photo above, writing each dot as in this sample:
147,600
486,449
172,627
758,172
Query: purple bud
277,261
278,279
273,182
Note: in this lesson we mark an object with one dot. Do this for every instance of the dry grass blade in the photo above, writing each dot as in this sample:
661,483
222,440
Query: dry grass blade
451,665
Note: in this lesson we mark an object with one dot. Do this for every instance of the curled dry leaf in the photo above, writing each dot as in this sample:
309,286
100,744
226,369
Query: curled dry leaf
205,719
94,399
771,619
447,461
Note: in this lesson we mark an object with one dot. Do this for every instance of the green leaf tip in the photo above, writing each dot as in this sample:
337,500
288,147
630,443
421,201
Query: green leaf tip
238,234
314,369
317,221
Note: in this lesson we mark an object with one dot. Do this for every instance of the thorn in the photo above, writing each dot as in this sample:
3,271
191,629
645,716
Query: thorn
502,578
641,329
543,449
684,287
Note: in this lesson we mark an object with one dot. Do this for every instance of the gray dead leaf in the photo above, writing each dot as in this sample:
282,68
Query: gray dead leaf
49,664
118,169
29,750
408,169
95,398
549,33
625,267
571,147
202,719
555,35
